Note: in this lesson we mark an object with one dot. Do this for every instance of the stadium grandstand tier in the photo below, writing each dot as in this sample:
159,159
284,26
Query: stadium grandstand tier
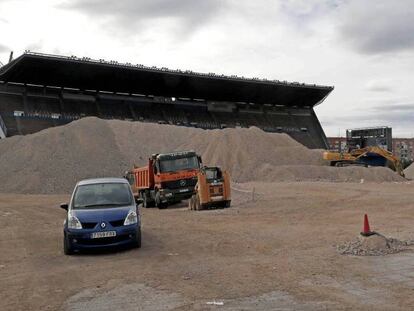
39,91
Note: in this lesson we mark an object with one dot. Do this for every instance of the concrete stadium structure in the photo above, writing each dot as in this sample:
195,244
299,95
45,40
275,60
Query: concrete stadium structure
38,91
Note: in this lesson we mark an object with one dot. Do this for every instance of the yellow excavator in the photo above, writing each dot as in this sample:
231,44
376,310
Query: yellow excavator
212,189
368,156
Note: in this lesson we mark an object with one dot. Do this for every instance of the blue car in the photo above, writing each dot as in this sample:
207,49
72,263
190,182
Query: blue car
102,213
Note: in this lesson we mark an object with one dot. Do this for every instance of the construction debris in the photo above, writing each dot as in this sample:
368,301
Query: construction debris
215,303
374,245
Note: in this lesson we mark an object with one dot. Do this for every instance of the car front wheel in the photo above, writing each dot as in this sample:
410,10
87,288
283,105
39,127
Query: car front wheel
137,242
67,246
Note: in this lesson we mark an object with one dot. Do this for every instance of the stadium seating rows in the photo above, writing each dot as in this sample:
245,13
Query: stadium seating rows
37,112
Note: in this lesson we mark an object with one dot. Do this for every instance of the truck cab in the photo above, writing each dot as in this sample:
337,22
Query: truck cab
168,178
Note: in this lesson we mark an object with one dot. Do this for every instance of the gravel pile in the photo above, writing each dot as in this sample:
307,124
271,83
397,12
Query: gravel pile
374,245
409,172
51,161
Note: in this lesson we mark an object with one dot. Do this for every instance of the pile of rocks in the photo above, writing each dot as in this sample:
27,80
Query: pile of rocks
409,172
374,245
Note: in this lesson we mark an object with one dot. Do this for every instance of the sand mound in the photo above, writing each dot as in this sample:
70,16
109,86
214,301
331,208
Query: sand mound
409,171
51,161
374,245
327,173
245,152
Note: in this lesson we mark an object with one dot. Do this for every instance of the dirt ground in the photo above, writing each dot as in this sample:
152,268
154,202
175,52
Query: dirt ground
276,252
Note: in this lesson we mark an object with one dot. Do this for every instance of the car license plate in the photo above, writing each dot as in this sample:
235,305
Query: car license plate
103,234
183,190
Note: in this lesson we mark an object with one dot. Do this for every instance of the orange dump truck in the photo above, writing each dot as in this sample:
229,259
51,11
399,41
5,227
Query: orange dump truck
168,178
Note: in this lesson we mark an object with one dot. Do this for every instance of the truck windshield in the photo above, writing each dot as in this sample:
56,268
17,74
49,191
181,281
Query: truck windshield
179,164
102,195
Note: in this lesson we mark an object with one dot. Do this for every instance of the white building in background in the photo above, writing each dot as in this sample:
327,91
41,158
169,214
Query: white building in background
403,148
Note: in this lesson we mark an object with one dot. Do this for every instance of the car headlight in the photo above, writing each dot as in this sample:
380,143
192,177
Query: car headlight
73,222
131,218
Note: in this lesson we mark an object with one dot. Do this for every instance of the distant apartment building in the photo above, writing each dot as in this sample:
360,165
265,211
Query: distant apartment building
337,143
403,148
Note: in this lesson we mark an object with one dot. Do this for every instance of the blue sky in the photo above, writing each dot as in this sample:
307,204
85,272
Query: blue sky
363,48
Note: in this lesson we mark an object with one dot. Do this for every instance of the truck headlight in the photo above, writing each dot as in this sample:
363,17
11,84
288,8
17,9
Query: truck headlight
131,218
73,222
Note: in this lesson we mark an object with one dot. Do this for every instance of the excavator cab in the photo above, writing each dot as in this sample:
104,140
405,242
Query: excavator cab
212,189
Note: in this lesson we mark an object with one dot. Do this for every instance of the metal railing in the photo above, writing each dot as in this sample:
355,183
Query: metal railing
3,129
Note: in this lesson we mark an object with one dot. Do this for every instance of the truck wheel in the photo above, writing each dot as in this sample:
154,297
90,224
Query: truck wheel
158,202
227,204
67,246
144,200
147,203
197,205
191,203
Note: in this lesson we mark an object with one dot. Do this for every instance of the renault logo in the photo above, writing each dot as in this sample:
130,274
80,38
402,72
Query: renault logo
182,182
103,225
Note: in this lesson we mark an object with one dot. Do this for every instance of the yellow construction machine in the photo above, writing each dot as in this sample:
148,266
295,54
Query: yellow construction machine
212,189
368,156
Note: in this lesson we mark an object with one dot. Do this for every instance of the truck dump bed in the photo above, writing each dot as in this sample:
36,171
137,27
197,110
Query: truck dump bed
144,177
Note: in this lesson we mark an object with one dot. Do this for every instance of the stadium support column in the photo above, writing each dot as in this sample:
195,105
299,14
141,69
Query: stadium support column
322,136
61,103
25,105
3,129
98,108
18,125
132,111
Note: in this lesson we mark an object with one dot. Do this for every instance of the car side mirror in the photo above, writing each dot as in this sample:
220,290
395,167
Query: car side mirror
139,201
65,206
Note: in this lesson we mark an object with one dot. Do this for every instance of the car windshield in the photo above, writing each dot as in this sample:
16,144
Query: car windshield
179,164
102,195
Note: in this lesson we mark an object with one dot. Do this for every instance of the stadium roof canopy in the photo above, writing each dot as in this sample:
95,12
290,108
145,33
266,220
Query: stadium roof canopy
100,75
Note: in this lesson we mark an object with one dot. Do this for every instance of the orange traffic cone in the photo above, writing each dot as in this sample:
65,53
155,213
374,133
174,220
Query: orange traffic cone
366,231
